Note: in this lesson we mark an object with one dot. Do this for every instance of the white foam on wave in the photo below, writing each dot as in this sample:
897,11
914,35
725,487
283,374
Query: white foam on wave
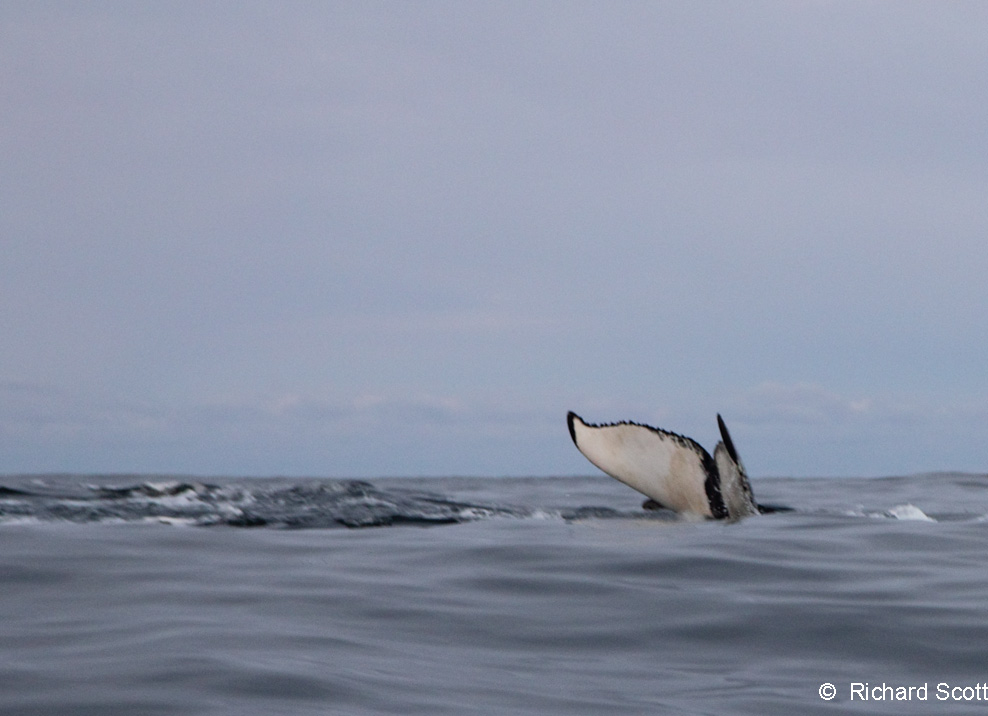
543,514
172,521
909,512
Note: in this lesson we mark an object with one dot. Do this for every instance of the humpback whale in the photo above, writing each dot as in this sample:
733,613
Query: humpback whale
672,470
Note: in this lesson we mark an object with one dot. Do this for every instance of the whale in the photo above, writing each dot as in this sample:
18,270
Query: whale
673,471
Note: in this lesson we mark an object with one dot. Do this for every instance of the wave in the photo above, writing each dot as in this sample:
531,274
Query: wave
327,503
308,504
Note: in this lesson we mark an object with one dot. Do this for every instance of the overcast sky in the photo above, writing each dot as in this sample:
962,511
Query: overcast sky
404,238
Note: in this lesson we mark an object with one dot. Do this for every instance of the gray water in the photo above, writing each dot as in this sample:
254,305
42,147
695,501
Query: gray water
137,595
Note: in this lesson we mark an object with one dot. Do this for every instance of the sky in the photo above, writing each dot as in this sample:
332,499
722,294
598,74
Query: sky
358,239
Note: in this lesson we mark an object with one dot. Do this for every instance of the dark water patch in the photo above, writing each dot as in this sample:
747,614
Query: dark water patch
286,504
305,504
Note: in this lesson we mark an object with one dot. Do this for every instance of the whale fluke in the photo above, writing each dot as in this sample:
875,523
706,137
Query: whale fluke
672,470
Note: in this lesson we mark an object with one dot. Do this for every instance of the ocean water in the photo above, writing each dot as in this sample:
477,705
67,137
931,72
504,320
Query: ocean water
150,596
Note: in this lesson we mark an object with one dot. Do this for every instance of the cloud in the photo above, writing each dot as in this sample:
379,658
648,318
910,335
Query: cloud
34,410
804,403
48,429
804,428
774,403
791,429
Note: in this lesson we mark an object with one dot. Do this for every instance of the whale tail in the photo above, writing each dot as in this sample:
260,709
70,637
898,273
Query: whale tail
673,471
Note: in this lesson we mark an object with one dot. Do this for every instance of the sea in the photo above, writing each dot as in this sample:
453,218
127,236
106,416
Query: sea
139,595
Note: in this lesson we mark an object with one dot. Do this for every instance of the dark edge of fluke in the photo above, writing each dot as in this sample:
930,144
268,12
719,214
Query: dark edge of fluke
569,422
726,437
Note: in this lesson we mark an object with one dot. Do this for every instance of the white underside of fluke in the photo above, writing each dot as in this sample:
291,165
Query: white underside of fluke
671,469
